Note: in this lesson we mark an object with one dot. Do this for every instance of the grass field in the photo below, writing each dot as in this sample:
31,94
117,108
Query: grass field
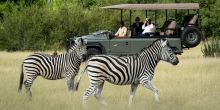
194,84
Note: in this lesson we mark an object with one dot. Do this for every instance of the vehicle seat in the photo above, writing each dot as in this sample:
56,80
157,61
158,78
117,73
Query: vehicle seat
169,28
128,33
190,20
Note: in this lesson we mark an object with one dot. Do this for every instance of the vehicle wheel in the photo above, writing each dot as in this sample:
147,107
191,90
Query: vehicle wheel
191,36
92,51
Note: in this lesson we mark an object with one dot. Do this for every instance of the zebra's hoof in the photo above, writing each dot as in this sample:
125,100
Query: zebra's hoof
157,98
104,103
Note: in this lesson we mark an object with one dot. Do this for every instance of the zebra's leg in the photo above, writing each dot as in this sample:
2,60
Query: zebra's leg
132,93
98,94
70,83
76,86
28,83
88,92
148,84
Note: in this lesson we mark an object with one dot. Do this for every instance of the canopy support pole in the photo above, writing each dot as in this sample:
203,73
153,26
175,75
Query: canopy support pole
146,13
166,15
121,15
130,17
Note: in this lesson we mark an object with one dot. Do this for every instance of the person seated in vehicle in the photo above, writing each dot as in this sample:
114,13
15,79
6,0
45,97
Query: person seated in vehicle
136,27
122,31
148,27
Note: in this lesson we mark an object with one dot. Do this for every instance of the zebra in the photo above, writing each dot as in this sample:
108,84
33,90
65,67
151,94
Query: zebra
127,70
50,67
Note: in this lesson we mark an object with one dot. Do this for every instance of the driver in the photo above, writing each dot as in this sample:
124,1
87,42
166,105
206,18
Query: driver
122,31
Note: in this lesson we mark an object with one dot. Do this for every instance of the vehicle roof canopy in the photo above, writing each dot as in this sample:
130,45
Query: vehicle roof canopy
155,6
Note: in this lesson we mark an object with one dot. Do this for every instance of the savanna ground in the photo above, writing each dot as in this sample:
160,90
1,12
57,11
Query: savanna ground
194,84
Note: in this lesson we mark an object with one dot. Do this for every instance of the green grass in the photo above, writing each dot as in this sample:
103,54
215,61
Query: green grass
194,84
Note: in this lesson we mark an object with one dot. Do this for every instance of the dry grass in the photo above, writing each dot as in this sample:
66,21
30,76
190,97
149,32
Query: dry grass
191,85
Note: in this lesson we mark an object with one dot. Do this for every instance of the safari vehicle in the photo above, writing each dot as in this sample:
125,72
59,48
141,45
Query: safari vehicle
180,36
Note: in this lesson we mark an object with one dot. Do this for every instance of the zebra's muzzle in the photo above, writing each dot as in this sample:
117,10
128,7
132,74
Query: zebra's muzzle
84,57
175,62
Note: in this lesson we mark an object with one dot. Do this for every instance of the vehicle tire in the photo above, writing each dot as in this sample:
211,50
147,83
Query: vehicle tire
92,51
191,36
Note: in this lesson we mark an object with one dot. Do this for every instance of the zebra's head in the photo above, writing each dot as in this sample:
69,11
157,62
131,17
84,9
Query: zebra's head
167,54
79,46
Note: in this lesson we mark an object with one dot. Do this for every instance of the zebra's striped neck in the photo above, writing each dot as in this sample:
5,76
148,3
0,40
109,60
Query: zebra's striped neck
149,58
74,54
72,63
70,58
73,57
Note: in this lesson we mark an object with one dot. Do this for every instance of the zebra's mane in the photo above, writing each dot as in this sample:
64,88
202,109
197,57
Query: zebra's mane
71,48
61,54
153,44
49,55
150,45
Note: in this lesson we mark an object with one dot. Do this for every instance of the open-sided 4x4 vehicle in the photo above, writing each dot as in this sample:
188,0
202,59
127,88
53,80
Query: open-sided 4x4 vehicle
184,35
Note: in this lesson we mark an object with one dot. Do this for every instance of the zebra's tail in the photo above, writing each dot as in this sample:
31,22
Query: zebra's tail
79,78
21,79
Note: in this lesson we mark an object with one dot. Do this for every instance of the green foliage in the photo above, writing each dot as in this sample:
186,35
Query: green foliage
40,28
210,17
211,48
210,25
28,28
47,27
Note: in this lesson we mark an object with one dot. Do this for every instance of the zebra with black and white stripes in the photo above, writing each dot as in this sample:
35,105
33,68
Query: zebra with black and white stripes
127,70
54,67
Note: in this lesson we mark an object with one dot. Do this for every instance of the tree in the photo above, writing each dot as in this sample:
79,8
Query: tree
210,25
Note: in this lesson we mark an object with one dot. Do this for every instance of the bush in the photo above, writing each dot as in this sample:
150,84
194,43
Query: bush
211,47
47,27
41,28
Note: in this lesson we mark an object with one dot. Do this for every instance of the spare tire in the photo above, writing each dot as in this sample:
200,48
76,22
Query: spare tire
191,36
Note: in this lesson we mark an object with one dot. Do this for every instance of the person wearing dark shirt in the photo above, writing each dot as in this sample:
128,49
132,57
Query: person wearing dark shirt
137,27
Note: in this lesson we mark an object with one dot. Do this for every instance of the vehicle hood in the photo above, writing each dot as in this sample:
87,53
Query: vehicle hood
101,34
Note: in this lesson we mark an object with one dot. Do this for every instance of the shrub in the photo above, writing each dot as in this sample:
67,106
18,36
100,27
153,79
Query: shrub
211,47
40,27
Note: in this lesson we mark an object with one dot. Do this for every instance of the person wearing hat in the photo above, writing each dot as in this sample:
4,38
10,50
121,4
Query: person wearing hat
122,31
148,27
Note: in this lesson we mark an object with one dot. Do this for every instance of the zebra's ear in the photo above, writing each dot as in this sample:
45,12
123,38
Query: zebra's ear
81,40
164,43
84,41
78,41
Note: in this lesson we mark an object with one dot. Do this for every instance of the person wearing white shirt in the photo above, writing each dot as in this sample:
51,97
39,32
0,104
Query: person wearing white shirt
148,27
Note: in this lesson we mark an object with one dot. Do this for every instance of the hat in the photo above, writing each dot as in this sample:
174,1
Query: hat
147,19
